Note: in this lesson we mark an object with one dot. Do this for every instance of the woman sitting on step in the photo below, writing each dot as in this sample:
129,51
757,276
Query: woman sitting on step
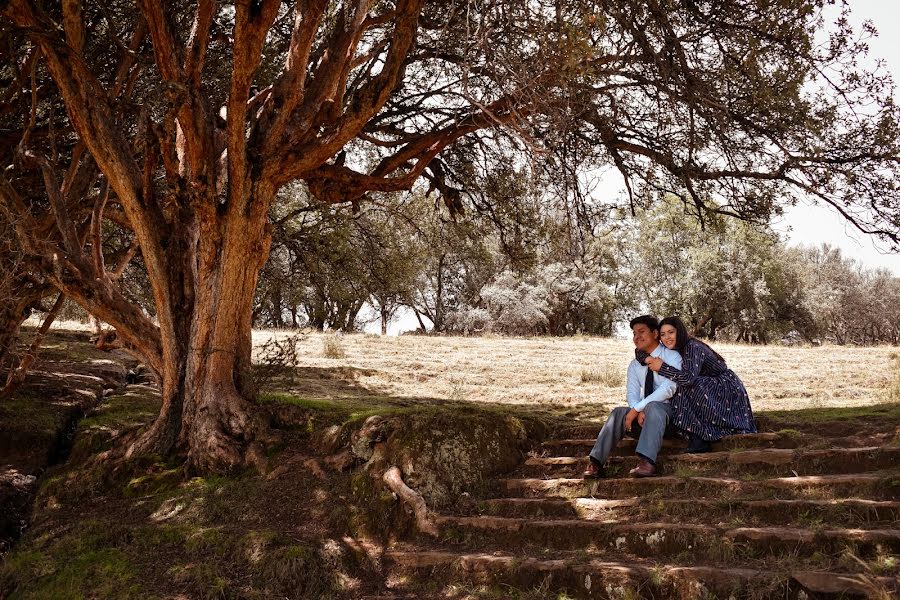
710,402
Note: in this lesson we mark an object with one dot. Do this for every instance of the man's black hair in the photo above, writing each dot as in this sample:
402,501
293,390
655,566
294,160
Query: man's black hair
648,320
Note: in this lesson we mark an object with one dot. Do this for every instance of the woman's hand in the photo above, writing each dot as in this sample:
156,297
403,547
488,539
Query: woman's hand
654,363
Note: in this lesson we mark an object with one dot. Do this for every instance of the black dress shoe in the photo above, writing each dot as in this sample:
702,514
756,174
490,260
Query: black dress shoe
645,468
697,446
593,471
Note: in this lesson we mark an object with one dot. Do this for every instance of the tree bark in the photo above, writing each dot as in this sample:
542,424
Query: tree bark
439,297
9,329
277,308
208,412
419,318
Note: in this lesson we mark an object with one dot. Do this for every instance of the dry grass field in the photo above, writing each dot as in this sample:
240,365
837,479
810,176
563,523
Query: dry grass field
566,373
573,372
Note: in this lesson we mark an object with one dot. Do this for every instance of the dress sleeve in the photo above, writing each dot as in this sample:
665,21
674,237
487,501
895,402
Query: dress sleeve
692,360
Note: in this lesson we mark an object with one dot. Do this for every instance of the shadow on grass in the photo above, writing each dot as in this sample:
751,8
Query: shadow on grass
339,394
849,420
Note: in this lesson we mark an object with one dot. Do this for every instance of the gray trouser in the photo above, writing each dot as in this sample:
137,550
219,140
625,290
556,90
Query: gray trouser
656,417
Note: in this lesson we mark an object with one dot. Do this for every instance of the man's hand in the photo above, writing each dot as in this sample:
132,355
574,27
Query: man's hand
640,418
629,418
653,363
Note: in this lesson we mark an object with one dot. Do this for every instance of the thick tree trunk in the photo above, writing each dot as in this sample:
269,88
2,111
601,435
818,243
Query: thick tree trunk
277,308
9,330
208,413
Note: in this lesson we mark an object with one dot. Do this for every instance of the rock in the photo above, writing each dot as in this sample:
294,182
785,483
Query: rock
362,441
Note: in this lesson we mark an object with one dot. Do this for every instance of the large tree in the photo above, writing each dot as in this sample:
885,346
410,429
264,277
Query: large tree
197,113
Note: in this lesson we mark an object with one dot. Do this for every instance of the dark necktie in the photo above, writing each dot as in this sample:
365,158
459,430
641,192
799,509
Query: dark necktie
648,383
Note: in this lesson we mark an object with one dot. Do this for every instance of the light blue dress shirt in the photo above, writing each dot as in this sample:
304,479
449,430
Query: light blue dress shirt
663,388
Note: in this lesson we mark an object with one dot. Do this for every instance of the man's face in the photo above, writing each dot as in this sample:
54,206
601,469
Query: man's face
645,339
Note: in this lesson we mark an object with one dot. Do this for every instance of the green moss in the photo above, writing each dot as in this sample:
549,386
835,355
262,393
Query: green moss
160,536
123,411
253,545
225,499
84,563
210,541
53,348
95,574
154,482
98,431
374,511
310,403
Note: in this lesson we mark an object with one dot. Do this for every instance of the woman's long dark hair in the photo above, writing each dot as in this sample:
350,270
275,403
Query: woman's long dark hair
682,337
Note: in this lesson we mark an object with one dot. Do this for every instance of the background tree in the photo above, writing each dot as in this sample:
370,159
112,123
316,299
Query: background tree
459,259
729,279
392,254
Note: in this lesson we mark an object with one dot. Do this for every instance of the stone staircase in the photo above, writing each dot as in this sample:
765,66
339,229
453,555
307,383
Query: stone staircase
792,514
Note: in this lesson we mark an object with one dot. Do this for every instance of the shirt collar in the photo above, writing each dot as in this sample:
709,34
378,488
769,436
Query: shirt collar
657,351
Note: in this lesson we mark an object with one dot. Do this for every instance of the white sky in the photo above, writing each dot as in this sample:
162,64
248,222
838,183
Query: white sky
810,224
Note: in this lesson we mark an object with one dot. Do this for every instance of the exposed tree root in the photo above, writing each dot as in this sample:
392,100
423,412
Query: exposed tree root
394,480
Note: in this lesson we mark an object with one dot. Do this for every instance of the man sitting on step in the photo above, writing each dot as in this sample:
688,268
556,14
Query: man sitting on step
648,411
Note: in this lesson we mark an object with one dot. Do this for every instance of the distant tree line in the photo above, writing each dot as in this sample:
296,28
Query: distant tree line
539,272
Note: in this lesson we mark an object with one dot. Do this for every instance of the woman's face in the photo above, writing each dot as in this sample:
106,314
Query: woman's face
668,336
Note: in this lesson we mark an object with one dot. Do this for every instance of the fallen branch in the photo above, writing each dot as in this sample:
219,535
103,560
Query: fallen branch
394,480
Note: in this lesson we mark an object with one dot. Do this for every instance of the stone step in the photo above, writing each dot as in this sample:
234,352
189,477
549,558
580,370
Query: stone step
880,420
582,445
805,432
663,539
853,511
580,578
875,486
772,461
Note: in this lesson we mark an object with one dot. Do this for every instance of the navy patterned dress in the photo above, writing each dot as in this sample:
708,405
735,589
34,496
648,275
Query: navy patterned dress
710,402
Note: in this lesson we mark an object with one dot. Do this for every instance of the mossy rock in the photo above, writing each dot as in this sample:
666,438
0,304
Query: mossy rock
446,455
